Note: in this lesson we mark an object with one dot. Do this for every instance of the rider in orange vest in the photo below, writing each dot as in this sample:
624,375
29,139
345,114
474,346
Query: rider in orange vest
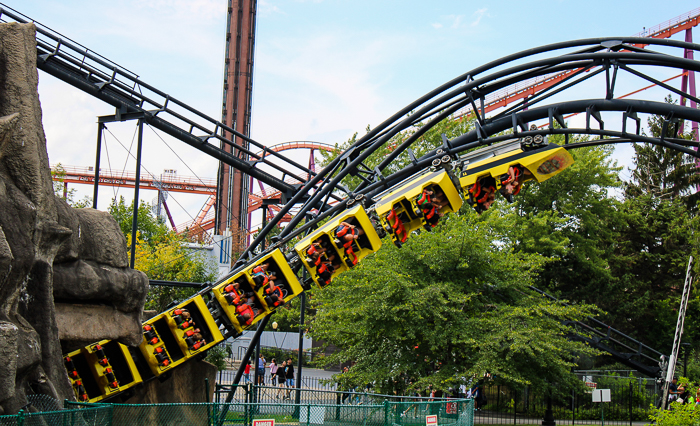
347,234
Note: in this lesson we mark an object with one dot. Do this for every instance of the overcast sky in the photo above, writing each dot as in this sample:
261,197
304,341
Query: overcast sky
324,69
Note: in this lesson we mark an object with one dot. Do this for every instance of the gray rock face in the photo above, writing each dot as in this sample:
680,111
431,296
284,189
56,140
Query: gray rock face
48,251
187,384
93,268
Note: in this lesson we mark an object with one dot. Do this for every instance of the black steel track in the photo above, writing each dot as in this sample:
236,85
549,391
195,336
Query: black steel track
583,59
620,346
113,84
106,80
600,54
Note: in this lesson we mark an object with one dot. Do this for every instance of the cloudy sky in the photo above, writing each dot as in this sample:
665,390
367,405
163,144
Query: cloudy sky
324,69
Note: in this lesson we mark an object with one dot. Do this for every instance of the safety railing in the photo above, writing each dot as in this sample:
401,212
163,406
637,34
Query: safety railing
386,413
78,415
83,66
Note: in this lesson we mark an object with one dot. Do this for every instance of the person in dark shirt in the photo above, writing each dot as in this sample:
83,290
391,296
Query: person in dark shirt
289,376
673,390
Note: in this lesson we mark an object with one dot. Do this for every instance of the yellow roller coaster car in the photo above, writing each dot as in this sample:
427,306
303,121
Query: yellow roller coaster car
338,245
179,334
257,290
419,202
507,172
101,370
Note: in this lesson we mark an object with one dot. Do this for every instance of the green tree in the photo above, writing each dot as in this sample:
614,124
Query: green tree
450,305
162,254
150,227
171,259
649,264
664,173
574,220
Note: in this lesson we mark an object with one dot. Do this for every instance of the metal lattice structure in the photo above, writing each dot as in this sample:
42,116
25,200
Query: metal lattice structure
608,57
597,64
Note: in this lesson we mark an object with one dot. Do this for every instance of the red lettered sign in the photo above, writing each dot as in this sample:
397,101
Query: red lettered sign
430,420
264,422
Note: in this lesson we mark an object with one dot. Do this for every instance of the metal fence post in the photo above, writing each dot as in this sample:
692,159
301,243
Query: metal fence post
20,418
515,407
498,398
337,406
206,399
386,413
65,416
573,406
308,414
630,403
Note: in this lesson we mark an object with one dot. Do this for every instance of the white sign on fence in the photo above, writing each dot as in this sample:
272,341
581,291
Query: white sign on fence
601,395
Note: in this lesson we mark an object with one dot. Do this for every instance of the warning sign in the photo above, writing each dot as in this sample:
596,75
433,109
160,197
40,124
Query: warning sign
430,420
264,422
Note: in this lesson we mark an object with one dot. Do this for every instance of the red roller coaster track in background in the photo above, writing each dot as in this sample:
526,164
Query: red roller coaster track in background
508,95
187,184
205,220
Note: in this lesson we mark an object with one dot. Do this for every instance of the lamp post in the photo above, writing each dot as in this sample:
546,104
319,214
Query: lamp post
686,349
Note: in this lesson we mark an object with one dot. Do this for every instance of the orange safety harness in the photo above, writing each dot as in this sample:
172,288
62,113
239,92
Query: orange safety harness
161,356
313,251
424,200
150,334
350,252
342,230
192,342
275,301
260,276
481,193
340,233
507,178
242,309
101,357
232,296
111,380
82,395
72,372
325,271
397,225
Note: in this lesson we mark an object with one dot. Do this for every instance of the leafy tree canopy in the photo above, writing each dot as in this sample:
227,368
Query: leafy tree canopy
664,173
448,306
573,219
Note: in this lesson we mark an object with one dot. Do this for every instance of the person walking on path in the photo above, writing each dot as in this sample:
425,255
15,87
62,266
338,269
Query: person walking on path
261,370
280,378
289,376
273,372
246,373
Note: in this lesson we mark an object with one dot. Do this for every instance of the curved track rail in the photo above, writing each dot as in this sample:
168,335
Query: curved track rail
392,203
611,57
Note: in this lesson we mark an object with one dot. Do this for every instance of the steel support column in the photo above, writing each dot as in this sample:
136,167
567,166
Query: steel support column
688,86
297,399
241,367
98,151
232,202
135,219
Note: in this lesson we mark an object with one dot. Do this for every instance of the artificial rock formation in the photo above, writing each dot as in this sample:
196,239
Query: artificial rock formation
61,268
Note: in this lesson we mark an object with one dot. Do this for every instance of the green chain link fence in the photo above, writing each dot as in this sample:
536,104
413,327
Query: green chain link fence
412,413
81,415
